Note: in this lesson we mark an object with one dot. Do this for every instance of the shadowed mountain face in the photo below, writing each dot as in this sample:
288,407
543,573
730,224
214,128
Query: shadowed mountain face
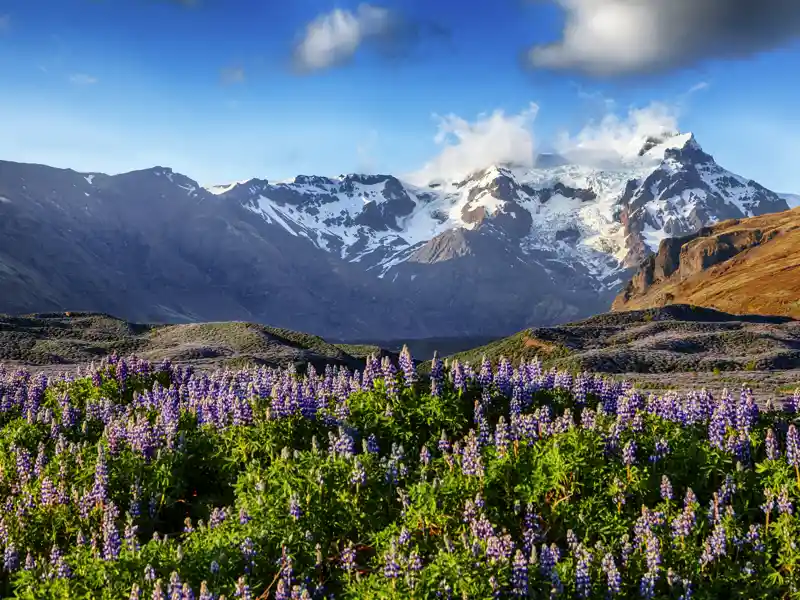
152,246
742,265
358,256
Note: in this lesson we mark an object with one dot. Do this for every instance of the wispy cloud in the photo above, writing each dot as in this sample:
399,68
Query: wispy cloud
233,75
82,79
623,37
5,23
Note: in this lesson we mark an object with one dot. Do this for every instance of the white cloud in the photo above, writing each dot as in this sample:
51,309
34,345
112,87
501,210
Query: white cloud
490,139
612,139
333,38
618,37
82,79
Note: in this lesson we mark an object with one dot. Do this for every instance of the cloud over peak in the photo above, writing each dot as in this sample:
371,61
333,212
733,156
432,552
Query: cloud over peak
469,147
624,37
611,142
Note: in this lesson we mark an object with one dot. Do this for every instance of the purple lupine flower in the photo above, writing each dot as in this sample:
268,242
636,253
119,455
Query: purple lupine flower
136,592
149,573
60,569
218,515
485,377
389,377
784,504
404,537
444,443
471,461
407,366
519,576
111,540
629,453
186,592
459,379
792,446
771,446
248,554
613,578
391,566
175,585
372,444
205,594
358,476
769,503
158,591
647,586
501,436
11,558
244,518
583,582
661,450
437,375
548,558
424,455
666,488
214,567
754,538
348,558
294,507
715,545
717,426
131,538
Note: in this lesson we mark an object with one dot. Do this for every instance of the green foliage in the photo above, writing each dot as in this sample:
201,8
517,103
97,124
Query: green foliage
562,480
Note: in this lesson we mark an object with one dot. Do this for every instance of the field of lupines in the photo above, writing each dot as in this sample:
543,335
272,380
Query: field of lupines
145,481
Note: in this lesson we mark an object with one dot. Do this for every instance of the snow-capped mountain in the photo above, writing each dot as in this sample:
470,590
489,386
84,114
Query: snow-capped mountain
359,256
595,221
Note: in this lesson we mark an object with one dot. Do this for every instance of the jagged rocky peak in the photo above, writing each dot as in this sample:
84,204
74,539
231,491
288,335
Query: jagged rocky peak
313,180
656,140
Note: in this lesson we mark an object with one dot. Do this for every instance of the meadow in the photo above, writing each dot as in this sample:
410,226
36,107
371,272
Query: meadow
150,481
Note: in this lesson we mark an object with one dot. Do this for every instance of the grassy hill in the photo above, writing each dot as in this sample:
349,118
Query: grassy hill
75,338
676,338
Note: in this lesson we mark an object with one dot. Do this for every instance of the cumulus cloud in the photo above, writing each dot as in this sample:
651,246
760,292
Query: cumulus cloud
470,146
82,79
499,138
613,139
622,37
334,38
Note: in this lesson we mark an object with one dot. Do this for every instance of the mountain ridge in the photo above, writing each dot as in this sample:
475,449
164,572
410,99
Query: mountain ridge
357,256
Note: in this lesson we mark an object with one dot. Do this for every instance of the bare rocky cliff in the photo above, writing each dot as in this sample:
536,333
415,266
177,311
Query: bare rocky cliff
739,266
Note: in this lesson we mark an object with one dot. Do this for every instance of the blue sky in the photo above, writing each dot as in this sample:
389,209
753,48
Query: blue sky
228,90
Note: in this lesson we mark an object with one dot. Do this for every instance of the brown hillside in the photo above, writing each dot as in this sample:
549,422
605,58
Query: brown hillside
741,266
